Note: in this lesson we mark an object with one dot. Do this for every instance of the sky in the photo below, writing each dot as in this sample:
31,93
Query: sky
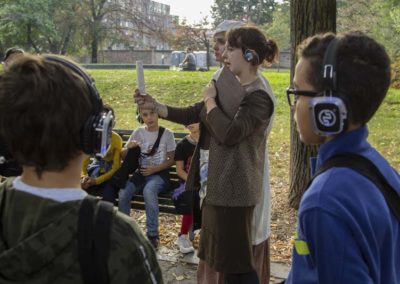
193,10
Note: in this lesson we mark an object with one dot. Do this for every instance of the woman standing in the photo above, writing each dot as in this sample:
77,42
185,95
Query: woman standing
234,149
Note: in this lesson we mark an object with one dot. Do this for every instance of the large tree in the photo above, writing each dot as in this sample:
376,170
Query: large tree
377,18
256,11
97,10
41,25
308,17
279,28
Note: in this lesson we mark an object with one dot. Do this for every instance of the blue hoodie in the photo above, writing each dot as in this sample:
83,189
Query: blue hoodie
346,232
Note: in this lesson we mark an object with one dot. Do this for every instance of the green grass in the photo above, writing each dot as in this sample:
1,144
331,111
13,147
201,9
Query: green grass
184,88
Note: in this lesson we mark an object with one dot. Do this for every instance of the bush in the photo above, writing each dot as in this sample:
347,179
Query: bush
396,73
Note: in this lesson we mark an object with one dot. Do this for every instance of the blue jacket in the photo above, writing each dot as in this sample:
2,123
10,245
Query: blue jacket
346,232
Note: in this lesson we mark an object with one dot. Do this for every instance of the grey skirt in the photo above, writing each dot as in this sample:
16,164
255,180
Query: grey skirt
225,238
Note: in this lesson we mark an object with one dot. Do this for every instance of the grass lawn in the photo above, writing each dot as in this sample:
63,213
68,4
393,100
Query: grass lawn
184,88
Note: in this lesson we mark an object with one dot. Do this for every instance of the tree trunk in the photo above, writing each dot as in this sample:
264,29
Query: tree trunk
30,42
207,44
94,48
308,17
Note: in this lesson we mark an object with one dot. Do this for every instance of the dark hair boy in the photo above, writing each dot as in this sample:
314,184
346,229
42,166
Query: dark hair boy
44,107
347,232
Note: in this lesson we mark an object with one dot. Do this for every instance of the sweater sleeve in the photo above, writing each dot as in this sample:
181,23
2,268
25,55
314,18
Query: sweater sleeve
85,165
254,111
116,144
185,115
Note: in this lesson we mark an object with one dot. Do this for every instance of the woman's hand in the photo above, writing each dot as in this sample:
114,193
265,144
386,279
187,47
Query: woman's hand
144,101
209,92
148,102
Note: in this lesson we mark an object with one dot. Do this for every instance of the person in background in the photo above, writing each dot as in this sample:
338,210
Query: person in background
189,62
97,174
347,232
152,176
46,106
183,158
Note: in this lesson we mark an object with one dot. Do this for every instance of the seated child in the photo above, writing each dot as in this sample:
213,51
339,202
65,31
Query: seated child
96,175
183,157
152,177
52,116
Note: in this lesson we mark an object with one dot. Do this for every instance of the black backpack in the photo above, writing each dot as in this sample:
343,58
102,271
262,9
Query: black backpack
368,169
94,239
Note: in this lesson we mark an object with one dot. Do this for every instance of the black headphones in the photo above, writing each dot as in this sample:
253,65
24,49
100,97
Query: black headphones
96,131
251,55
329,111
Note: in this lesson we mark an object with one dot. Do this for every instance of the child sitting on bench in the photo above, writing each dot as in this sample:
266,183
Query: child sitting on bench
157,148
96,175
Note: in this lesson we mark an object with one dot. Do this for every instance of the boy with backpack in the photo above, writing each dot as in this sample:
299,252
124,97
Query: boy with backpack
349,217
52,117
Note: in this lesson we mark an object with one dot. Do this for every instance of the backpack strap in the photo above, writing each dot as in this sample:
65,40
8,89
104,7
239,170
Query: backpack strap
368,169
94,239
157,143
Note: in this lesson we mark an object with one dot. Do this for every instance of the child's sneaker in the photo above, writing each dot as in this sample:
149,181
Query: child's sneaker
185,246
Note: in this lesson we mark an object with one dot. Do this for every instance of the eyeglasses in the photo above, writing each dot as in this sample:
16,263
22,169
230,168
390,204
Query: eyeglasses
292,95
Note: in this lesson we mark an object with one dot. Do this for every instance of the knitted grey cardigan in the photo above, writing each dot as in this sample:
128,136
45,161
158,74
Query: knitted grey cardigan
237,147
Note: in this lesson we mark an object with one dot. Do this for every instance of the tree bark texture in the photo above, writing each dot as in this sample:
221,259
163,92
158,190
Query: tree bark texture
308,17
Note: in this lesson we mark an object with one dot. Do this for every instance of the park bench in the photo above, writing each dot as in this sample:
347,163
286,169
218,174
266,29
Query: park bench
164,199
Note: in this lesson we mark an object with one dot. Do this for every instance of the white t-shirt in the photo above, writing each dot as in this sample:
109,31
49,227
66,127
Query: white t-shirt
146,140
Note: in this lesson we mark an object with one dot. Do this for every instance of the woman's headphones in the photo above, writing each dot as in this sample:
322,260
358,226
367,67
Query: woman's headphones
328,109
96,131
250,55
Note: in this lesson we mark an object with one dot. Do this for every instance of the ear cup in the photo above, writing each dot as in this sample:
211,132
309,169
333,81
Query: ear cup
248,55
87,136
329,109
329,115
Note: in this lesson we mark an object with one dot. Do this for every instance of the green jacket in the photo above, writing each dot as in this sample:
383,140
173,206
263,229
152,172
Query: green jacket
38,243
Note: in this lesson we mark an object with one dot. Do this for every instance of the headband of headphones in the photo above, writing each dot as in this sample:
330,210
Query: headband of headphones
329,68
93,93
96,131
329,111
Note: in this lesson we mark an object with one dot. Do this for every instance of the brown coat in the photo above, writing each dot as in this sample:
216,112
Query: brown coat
237,147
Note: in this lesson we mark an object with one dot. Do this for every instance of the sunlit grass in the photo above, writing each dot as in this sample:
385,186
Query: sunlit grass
184,88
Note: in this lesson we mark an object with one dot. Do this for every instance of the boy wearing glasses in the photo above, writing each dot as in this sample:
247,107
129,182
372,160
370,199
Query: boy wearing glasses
347,231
